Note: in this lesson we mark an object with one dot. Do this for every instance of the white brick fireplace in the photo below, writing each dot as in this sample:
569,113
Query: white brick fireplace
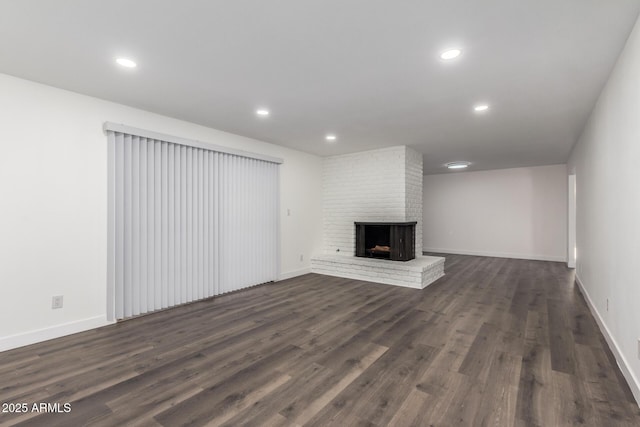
382,185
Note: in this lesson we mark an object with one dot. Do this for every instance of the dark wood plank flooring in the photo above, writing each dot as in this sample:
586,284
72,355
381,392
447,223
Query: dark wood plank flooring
496,342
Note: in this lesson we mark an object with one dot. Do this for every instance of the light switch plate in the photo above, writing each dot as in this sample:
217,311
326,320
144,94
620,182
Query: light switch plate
56,302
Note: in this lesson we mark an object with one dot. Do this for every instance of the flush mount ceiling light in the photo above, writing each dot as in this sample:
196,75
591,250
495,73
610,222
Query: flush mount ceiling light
480,108
450,54
127,63
458,165
262,112
330,138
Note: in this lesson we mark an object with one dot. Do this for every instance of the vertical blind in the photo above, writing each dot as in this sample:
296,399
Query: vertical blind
186,222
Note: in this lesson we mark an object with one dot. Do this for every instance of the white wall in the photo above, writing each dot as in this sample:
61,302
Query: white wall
53,205
375,185
605,161
515,213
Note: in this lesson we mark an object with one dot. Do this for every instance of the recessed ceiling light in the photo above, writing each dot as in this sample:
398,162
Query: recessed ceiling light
480,108
450,54
126,63
262,112
458,165
330,137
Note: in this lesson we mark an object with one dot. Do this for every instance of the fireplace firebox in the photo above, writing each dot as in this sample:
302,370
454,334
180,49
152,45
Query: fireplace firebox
387,240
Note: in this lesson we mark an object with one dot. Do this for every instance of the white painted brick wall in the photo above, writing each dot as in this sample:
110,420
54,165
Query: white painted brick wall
378,185
413,193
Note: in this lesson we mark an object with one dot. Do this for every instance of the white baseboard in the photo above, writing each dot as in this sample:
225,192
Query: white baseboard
633,382
532,257
57,331
295,273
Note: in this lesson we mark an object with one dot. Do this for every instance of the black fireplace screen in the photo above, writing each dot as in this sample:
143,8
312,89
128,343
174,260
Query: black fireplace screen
388,240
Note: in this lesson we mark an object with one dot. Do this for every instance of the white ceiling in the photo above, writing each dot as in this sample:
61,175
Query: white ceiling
366,70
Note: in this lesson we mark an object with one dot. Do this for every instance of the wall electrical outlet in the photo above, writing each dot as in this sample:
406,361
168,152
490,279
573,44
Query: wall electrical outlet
56,302
638,348
301,257
607,304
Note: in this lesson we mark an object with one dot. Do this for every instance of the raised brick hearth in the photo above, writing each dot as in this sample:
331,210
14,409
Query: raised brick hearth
417,273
